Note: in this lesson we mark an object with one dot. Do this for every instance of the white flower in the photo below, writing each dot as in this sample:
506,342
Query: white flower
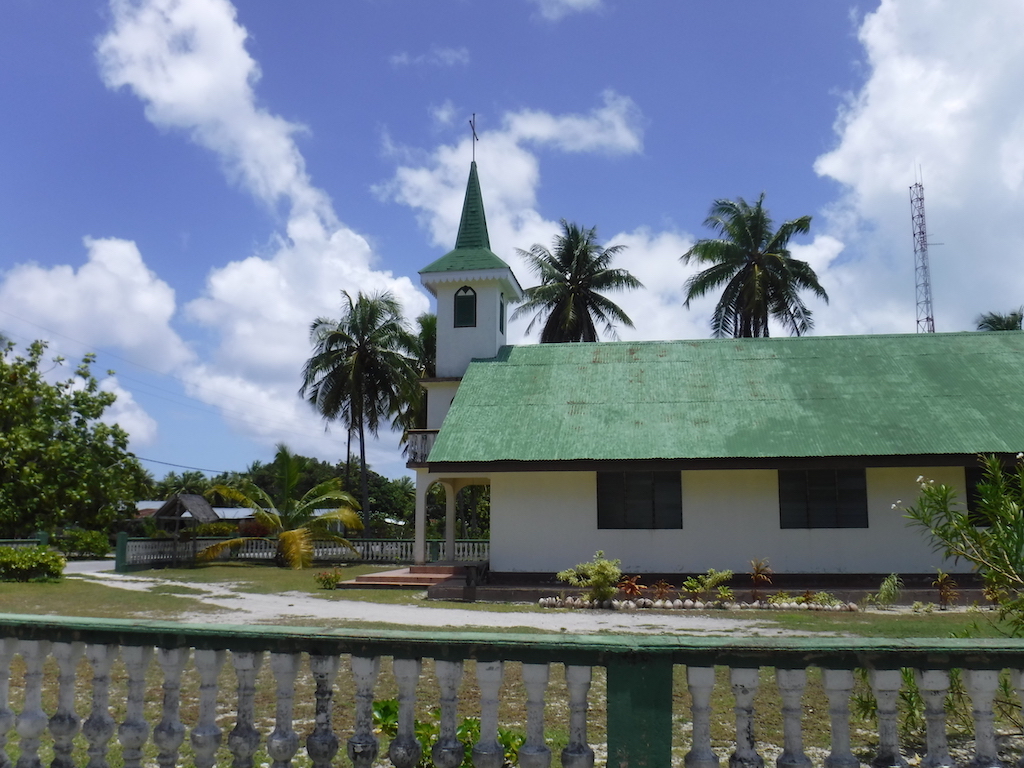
920,479
1020,456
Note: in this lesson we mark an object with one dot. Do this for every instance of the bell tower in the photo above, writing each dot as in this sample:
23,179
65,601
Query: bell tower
473,288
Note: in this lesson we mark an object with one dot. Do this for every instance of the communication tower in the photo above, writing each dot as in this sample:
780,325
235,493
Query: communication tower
922,273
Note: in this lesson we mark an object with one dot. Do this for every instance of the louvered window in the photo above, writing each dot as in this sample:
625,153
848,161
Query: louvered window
823,498
639,500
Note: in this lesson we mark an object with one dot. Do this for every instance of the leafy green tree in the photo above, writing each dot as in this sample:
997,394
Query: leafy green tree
751,263
572,278
990,536
60,464
359,368
995,321
290,517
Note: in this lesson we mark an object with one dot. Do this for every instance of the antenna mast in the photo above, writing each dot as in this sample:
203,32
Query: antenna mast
922,273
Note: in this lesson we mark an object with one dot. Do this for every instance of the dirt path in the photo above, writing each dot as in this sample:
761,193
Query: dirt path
300,608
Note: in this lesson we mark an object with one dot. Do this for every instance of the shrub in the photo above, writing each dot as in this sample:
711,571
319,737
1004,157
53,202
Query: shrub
221,528
701,586
889,591
30,564
600,577
254,529
79,543
329,579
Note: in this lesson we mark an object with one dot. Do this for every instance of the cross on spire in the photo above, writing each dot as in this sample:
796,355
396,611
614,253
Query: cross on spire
472,127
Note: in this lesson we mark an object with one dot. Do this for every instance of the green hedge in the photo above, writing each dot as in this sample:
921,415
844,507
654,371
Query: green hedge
30,564
76,542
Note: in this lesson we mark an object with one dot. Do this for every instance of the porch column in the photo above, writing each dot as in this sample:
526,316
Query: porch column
450,491
419,544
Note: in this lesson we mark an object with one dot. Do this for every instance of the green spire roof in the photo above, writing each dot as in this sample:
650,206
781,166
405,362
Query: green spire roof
472,246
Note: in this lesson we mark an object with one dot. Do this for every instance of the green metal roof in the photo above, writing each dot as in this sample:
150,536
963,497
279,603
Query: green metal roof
472,246
959,393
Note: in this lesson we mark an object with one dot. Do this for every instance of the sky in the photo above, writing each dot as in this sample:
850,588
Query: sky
186,185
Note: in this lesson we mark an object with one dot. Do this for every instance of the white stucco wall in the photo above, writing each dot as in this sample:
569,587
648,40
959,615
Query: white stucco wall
547,521
457,346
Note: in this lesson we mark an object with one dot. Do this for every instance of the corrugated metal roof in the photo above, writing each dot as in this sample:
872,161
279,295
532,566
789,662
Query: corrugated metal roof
731,398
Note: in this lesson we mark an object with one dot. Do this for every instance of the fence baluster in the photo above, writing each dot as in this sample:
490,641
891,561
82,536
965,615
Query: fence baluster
405,750
363,745
577,753
933,685
700,681
322,744
744,687
488,752
791,684
7,647
981,684
134,730
885,684
32,722
838,687
99,727
535,753
170,731
448,751
206,735
283,742
65,721
244,739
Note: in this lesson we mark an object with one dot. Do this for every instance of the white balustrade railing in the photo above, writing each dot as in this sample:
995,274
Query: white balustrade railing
230,721
134,554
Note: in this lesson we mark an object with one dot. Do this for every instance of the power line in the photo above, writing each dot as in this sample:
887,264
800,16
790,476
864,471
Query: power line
185,466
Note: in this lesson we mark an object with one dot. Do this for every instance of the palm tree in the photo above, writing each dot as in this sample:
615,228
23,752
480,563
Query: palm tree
292,520
994,321
360,368
413,412
752,261
568,299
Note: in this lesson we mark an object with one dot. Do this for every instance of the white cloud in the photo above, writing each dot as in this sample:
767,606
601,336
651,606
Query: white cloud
509,176
113,300
438,56
554,10
942,95
444,114
186,60
129,415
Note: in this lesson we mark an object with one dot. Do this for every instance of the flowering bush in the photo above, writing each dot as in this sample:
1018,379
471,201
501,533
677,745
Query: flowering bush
329,579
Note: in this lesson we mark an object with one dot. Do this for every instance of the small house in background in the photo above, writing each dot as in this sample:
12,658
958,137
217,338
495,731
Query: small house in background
184,510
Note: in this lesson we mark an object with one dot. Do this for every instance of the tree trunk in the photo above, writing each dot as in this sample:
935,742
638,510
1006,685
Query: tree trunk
348,461
365,493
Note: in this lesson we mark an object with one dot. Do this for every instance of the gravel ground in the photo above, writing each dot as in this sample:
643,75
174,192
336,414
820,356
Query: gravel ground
298,607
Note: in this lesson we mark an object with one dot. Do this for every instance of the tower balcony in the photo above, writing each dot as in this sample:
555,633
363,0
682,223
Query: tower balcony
419,441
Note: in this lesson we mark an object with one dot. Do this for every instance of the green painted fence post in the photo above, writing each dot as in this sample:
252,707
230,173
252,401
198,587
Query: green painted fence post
43,538
121,553
639,712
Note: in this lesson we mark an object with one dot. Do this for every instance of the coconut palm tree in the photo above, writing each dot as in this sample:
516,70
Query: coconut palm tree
995,321
360,368
572,277
423,353
291,520
752,263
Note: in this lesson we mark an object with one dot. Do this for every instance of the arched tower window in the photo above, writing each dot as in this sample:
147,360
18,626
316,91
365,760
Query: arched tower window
501,313
465,307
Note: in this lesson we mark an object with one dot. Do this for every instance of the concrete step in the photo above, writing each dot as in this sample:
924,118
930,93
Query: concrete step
414,576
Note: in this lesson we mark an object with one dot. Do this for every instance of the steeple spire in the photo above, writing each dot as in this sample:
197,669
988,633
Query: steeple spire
473,226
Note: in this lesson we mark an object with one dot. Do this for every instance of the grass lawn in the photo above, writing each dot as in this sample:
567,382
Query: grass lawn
179,592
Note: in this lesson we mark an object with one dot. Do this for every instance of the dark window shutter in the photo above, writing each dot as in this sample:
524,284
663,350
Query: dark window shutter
465,308
792,499
668,500
610,500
